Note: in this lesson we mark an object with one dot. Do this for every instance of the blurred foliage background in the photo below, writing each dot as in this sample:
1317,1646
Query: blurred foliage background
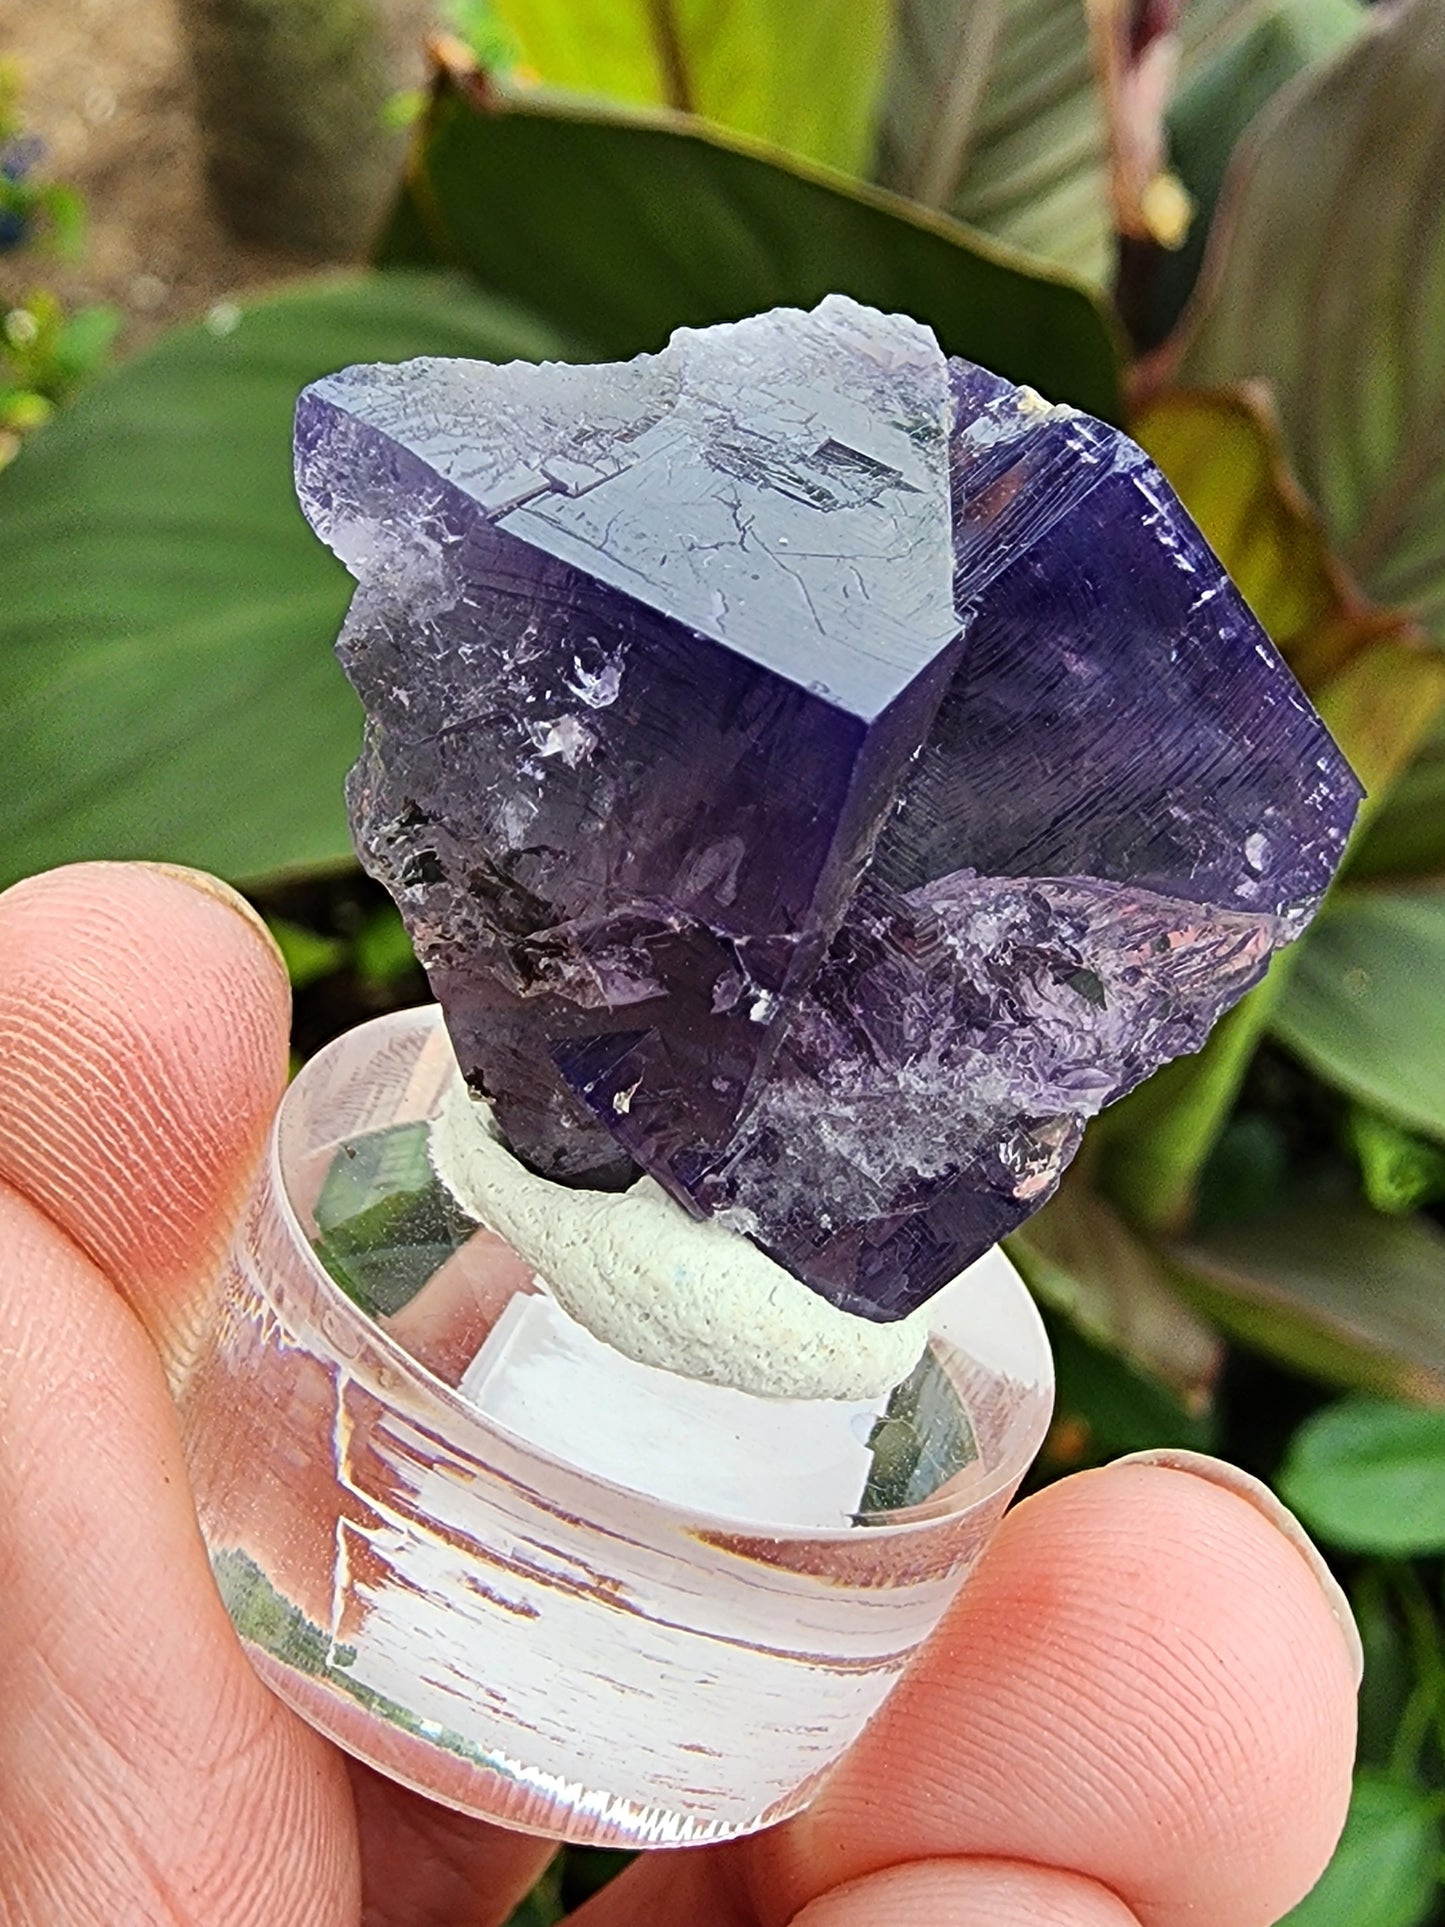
1221,222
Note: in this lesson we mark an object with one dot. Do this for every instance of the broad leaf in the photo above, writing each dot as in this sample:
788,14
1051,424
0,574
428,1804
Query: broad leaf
1081,1258
1385,1868
542,1907
1369,1475
1407,836
1331,286
1339,1292
1385,708
1247,1174
1103,1405
1379,707
1365,1008
620,228
1155,1144
1211,110
803,74
1391,1666
992,112
166,617
307,954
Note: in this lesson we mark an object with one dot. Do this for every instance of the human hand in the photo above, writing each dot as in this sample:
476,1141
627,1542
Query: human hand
1139,1711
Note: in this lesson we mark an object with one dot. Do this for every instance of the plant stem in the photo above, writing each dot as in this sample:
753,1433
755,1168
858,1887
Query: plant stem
671,61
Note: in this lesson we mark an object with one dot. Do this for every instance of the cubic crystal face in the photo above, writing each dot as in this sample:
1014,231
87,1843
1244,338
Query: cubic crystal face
812,771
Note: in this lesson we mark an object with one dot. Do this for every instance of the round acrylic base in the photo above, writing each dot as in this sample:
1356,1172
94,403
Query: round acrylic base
524,1575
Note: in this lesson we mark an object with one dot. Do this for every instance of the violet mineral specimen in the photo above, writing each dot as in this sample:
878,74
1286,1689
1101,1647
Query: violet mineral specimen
813,771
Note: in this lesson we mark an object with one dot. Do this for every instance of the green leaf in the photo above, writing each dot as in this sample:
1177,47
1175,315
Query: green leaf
382,949
1080,1257
1155,1144
65,216
802,74
166,617
1379,708
922,1440
587,1870
1385,1868
1104,1405
24,411
1335,1290
993,114
1331,286
543,1906
1247,1173
308,956
1400,1171
1218,100
1384,708
1364,1005
82,346
1369,1476
1391,1671
485,36
619,229
1407,835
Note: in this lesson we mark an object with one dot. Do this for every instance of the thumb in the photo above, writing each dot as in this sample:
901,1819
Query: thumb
148,1773
143,1025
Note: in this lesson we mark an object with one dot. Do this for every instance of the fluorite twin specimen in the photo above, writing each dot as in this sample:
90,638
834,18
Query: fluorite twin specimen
813,771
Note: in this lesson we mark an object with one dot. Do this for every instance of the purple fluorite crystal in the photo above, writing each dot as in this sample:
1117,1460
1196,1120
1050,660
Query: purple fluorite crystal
812,771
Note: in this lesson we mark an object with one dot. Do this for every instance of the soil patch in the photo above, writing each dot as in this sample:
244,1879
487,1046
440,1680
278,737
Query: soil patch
107,88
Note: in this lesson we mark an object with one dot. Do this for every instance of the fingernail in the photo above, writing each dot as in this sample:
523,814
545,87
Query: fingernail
222,893
1256,1493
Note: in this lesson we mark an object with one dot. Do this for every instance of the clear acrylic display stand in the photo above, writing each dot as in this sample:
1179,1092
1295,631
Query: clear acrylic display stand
523,1574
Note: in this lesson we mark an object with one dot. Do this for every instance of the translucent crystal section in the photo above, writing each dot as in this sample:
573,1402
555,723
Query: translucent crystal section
643,673
812,771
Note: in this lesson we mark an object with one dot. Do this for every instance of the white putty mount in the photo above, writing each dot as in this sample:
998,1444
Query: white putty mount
665,1289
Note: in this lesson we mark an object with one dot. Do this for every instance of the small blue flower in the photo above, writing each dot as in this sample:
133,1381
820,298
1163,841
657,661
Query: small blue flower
18,157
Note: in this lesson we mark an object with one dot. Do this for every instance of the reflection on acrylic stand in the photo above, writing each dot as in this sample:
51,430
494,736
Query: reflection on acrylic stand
530,1577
